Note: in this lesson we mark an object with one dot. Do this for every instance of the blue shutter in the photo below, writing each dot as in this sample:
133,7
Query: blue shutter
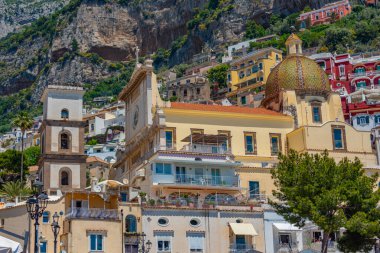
358,120
92,242
367,119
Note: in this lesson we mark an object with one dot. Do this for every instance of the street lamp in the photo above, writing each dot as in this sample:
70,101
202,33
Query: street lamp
145,247
36,206
138,239
55,228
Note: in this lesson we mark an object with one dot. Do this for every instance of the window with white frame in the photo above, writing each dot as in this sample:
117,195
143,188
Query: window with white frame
342,70
377,119
163,168
362,120
196,242
96,242
164,241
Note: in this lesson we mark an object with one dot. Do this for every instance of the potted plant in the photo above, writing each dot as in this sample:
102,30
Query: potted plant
142,196
159,202
152,202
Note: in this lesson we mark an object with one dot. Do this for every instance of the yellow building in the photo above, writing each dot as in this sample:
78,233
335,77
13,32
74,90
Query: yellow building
247,75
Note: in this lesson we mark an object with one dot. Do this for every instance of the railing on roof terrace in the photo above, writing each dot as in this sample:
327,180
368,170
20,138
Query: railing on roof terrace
205,148
219,181
92,213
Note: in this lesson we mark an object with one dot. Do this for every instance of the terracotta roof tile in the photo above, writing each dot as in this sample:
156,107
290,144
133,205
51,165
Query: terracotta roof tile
220,108
92,159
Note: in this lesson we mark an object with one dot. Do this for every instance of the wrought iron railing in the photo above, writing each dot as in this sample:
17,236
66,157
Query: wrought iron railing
92,213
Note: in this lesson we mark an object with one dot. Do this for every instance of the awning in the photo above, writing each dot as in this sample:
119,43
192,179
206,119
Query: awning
243,229
7,243
286,227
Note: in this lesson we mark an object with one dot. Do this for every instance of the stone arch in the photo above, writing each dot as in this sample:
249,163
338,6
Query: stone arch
65,140
65,177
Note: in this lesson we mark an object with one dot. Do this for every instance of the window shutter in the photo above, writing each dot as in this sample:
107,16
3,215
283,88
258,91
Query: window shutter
358,120
367,119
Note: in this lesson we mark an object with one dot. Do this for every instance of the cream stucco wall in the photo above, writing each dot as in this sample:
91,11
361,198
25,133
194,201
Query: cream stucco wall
55,131
81,228
317,139
331,107
75,174
218,234
237,124
57,100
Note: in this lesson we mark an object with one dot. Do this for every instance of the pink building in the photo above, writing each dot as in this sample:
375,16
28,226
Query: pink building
323,15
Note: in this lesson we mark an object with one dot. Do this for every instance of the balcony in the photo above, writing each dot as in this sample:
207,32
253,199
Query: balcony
92,213
207,143
242,248
218,181
211,149
366,73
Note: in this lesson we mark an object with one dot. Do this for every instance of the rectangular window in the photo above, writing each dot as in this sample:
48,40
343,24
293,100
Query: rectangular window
338,137
254,189
226,144
284,239
163,168
124,196
170,138
43,247
45,217
250,143
243,100
2,223
316,113
275,144
163,244
377,119
96,242
196,242
342,70
260,65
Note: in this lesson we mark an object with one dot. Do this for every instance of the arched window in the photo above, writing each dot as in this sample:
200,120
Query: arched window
65,141
64,178
130,224
64,114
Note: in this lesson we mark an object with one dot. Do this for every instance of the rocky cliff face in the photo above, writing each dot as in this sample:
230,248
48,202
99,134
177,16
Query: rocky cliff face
112,31
17,13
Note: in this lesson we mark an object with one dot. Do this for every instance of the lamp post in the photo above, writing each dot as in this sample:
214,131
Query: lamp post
55,228
145,247
36,206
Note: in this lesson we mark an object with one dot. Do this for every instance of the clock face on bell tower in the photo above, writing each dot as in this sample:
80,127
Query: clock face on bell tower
135,117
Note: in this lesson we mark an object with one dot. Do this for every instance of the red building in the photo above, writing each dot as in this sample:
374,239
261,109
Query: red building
324,14
357,79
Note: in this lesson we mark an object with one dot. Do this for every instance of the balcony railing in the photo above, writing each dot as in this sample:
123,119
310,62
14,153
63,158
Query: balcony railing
366,73
204,148
92,213
224,181
242,248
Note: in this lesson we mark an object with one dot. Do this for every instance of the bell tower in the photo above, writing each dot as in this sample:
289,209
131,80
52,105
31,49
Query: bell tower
294,45
62,166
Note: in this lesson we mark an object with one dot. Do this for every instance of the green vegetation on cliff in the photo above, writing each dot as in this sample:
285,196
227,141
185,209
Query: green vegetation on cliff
357,32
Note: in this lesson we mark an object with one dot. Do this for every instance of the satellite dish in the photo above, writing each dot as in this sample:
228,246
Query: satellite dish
97,188
125,181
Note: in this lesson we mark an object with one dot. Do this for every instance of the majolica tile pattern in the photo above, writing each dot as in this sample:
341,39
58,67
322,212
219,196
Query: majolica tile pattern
296,72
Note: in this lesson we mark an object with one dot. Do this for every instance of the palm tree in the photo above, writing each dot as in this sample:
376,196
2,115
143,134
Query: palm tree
13,189
24,122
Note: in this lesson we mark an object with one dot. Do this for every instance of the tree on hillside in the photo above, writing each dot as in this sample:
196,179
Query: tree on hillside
253,30
331,195
23,121
11,190
10,161
32,155
218,75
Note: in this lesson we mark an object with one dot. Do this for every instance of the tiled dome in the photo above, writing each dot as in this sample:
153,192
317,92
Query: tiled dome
296,72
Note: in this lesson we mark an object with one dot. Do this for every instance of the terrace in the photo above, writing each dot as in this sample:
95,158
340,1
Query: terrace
92,213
